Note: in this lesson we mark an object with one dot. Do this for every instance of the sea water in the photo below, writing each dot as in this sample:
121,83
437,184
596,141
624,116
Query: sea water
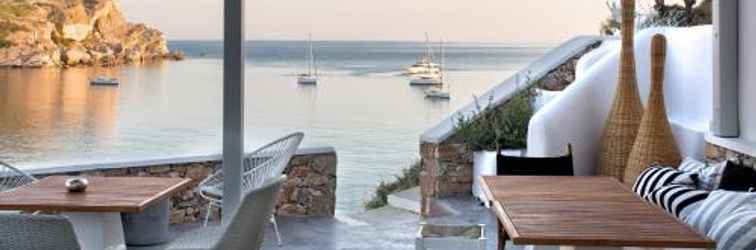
362,106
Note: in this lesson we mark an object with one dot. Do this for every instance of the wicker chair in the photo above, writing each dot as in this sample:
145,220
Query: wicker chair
12,178
25,231
261,165
245,229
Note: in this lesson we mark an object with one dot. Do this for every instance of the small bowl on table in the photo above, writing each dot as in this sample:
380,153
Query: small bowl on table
77,184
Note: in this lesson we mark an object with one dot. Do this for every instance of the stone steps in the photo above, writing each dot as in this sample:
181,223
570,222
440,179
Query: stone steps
407,200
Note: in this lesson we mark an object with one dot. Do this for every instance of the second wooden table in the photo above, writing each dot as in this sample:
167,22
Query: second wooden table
96,213
583,211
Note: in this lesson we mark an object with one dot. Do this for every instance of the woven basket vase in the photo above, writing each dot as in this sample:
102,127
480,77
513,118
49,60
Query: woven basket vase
626,112
655,142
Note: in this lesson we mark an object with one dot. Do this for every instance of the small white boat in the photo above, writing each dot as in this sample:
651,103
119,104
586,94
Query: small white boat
435,93
311,77
427,79
307,79
103,80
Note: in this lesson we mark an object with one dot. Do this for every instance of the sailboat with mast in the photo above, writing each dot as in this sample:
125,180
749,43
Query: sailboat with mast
438,92
311,77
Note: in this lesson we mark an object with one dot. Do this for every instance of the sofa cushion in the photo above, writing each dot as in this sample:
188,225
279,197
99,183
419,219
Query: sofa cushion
658,176
678,200
716,207
737,230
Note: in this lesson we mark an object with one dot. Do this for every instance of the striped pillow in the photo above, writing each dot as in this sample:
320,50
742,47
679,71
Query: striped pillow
658,176
736,231
716,207
678,200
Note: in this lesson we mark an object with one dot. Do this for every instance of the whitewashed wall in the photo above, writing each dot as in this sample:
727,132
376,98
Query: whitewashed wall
577,116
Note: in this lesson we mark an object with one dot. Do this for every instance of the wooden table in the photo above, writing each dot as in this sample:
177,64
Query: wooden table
96,213
582,212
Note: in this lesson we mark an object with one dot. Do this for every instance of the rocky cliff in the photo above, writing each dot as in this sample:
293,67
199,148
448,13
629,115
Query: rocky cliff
41,33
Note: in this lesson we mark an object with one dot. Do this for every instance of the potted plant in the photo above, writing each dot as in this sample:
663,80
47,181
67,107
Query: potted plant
492,129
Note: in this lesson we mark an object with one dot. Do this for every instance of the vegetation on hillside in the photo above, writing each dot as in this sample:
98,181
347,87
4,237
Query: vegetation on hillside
661,14
7,28
409,178
497,127
15,8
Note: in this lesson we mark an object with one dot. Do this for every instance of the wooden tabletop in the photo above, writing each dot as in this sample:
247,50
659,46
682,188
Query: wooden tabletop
583,211
104,194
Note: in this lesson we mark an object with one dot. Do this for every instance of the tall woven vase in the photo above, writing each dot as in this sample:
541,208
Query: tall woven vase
655,142
626,112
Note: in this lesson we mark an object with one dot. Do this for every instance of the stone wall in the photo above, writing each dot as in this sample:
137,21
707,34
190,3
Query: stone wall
446,171
717,153
310,189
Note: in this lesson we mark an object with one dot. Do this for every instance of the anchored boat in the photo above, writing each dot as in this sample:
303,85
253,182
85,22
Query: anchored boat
103,80
311,77
438,92
424,65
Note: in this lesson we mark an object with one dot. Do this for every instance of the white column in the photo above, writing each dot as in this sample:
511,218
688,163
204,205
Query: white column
725,120
233,103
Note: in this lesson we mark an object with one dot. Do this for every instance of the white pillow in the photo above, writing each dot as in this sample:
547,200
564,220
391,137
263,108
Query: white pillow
709,176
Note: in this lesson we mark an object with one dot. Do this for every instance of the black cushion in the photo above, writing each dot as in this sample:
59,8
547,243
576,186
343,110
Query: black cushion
736,177
512,165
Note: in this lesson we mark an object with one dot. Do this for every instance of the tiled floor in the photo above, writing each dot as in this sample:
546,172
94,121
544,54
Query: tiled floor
386,228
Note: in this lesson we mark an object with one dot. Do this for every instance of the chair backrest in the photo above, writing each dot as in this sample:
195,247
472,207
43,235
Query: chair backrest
12,178
26,231
246,228
557,166
269,161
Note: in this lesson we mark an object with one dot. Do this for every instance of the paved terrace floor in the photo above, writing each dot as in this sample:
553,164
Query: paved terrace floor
385,228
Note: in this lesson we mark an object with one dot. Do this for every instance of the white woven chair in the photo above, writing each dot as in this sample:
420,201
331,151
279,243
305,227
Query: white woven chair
12,178
25,231
246,227
261,165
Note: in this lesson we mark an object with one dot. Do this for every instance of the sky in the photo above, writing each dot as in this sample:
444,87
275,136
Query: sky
499,21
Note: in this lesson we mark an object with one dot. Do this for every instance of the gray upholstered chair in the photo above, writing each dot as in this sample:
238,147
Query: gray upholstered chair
264,163
246,227
12,178
26,231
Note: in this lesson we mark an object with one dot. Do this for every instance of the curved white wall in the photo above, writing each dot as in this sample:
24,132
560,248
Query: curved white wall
577,116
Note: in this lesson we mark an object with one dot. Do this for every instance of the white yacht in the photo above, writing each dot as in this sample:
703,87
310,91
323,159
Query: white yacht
437,92
311,77
425,65
103,80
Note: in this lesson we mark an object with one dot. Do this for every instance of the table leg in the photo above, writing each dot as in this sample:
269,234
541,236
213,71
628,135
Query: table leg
98,231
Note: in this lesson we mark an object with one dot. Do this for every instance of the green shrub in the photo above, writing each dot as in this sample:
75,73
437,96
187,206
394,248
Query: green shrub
4,43
409,178
497,127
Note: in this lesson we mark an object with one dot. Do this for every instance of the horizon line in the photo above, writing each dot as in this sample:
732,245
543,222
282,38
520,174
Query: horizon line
510,44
